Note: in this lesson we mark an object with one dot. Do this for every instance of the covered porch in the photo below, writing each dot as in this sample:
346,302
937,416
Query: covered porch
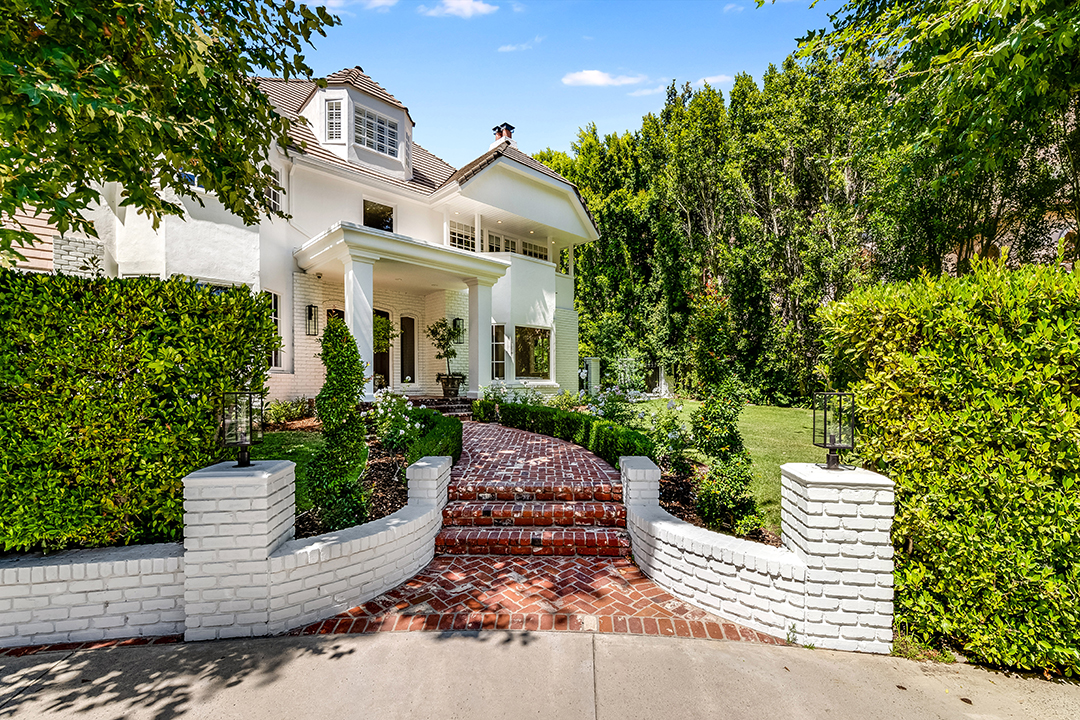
412,283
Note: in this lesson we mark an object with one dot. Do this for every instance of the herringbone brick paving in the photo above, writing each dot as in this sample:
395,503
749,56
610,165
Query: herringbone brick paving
606,595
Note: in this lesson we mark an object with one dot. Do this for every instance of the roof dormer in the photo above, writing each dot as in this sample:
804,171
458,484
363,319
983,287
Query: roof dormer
357,120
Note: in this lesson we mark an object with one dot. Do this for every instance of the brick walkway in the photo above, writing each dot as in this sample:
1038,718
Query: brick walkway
524,501
606,595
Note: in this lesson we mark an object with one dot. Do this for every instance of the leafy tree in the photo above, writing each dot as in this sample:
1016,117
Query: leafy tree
157,98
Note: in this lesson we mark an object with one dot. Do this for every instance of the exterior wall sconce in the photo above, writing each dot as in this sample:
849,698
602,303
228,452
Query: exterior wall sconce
312,319
834,425
240,421
459,331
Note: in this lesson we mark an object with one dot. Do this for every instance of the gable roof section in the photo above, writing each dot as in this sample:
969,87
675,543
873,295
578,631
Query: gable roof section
508,151
356,77
289,96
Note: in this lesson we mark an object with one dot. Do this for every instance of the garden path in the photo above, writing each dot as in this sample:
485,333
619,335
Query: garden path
535,539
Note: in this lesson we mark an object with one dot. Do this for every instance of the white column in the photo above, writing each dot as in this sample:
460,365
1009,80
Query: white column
479,234
359,280
479,335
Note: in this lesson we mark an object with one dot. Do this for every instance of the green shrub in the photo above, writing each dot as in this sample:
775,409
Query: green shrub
108,395
439,436
565,401
671,438
610,442
334,475
573,427
724,498
604,439
283,411
716,425
391,416
968,392
485,410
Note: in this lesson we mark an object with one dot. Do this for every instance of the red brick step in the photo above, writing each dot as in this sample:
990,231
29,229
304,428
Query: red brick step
610,542
516,488
533,514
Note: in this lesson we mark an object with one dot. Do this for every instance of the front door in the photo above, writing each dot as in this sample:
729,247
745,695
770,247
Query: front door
382,359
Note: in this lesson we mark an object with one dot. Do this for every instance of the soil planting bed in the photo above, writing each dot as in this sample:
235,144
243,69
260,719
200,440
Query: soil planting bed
677,496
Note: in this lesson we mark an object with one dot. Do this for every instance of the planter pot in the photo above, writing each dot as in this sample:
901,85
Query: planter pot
450,385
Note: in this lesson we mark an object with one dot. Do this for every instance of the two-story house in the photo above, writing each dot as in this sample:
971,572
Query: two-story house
380,226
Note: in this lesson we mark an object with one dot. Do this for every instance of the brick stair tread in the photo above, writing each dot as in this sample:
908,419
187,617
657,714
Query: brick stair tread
609,542
525,489
471,513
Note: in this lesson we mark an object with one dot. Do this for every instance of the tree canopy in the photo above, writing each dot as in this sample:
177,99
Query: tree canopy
155,96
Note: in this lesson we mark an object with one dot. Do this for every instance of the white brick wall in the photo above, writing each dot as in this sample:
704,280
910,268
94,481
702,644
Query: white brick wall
85,595
71,254
566,349
832,582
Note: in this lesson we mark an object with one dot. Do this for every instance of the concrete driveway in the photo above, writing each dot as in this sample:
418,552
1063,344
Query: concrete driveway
510,674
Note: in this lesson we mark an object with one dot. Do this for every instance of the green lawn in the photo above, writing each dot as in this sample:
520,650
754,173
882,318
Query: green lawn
773,436
300,447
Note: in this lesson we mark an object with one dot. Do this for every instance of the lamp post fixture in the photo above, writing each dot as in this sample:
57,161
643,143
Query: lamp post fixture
834,424
241,417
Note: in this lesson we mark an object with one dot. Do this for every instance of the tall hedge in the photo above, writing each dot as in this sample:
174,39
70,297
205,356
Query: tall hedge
108,391
968,391
604,439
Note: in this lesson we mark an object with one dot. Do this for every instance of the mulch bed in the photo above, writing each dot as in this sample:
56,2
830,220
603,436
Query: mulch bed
678,498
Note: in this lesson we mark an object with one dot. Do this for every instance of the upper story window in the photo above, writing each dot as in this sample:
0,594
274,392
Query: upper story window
462,236
378,216
333,120
375,132
273,195
533,250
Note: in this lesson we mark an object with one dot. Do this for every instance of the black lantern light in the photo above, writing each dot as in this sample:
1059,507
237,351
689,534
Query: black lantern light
834,424
459,331
241,420
312,319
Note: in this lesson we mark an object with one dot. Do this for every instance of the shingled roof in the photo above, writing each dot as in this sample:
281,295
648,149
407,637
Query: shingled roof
430,172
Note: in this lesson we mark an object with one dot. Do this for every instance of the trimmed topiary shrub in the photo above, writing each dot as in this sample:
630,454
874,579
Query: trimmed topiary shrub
108,398
968,391
334,474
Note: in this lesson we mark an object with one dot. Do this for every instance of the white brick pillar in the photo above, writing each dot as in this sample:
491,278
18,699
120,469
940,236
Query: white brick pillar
429,478
593,364
641,481
839,523
479,335
234,518
359,289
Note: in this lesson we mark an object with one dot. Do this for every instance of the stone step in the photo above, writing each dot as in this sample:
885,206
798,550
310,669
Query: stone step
609,542
516,489
470,513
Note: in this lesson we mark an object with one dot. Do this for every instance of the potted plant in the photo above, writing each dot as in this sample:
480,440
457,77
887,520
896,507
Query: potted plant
443,336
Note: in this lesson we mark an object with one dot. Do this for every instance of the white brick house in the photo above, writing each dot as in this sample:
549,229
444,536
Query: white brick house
380,226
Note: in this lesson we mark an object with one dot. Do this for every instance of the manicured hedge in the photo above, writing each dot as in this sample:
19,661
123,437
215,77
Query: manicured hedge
969,398
440,435
604,439
108,391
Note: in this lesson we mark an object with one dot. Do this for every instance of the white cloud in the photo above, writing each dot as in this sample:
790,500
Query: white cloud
522,46
732,7
648,91
714,80
459,8
380,5
600,78
518,7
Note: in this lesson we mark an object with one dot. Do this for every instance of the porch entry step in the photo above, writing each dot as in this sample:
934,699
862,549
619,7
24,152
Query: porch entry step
467,513
522,489
607,542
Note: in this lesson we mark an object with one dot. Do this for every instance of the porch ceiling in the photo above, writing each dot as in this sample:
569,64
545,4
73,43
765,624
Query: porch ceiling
399,263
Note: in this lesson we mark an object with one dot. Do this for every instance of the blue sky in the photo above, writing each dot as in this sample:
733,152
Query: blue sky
549,67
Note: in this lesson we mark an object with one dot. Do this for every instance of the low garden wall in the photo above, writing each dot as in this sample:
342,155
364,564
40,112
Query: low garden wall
831,586
238,573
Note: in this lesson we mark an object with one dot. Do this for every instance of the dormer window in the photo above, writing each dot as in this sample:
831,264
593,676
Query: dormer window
333,120
375,132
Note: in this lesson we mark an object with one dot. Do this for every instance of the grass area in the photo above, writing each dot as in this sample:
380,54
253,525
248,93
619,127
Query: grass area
299,447
772,435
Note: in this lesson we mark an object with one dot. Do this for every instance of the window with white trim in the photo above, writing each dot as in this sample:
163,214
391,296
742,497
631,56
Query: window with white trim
498,352
333,120
532,353
462,236
275,316
375,131
540,252
273,194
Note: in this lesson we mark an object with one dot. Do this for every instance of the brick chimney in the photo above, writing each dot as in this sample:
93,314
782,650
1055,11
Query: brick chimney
503,133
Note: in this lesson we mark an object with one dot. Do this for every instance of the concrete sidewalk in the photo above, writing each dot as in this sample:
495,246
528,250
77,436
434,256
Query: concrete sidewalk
510,674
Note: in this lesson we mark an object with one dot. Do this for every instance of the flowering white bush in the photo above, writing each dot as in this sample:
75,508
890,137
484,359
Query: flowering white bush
671,436
394,424
612,404
500,392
